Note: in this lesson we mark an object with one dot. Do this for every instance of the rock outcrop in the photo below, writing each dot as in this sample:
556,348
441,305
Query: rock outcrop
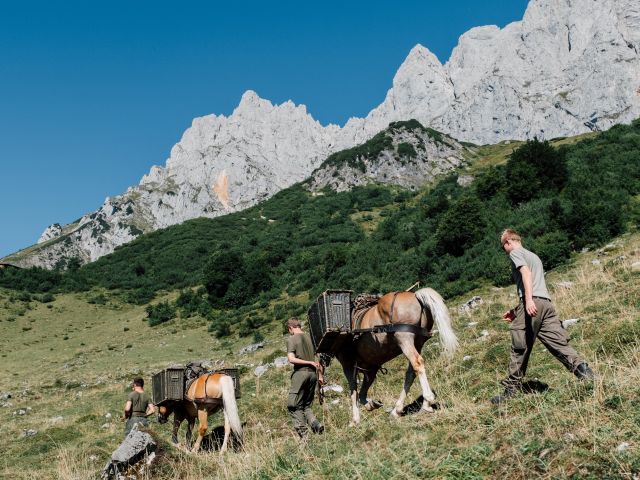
570,66
406,154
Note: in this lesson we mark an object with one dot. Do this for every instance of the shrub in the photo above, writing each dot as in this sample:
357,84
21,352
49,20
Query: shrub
534,170
461,226
160,313
406,150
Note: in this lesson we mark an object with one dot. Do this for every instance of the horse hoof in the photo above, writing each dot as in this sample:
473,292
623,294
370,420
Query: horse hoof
372,405
353,424
428,409
395,414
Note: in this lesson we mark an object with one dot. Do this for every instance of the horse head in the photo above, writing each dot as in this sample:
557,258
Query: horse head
164,411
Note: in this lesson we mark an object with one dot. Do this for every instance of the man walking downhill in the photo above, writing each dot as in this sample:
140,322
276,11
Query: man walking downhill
306,371
138,407
535,316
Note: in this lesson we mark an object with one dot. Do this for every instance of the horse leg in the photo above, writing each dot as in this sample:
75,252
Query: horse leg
191,421
349,369
406,343
369,377
202,427
177,421
409,377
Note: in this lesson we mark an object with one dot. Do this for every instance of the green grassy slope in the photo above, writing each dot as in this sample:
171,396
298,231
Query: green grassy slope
70,362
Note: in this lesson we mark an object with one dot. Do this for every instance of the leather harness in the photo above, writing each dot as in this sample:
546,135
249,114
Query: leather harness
389,328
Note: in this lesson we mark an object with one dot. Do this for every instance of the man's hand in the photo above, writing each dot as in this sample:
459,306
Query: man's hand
509,316
530,306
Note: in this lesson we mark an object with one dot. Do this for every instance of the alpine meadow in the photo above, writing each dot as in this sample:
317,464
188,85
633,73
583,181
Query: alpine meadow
428,274
207,287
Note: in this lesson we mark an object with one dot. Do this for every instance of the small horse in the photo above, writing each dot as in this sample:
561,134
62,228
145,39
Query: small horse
408,319
206,395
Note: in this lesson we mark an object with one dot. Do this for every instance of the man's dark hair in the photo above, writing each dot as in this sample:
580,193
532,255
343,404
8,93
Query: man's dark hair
139,382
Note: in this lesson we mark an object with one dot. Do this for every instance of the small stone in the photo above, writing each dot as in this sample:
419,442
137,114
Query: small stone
29,433
104,426
472,324
484,333
57,419
596,261
466,307
22,411
544,453
635,267
281,362
335,402
260,370
568,285
569,437
93,458
107,415
466,358
250,348
334,387
624,446
569,322
464,180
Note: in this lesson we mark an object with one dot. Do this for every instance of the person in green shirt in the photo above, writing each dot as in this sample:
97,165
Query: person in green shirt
138,406
306,373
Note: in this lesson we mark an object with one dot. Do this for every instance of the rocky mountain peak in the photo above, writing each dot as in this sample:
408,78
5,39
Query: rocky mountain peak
569,67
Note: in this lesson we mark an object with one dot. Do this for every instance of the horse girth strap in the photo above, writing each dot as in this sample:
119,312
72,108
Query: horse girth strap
400,327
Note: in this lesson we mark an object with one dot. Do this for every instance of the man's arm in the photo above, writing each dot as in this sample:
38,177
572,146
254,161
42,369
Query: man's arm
127,409
298,361
527,282
151,408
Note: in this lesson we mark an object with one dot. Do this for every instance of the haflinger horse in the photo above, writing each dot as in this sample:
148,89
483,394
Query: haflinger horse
400,322
206,395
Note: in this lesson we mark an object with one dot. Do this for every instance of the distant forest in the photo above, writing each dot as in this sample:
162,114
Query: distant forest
248,265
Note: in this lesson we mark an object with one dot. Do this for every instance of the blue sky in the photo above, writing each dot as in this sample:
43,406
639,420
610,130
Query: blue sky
92,94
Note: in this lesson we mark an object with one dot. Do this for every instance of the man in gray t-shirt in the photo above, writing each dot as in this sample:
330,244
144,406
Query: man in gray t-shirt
534,317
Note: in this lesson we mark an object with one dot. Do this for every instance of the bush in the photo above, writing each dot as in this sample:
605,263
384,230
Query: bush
160,313
140,296
534,170
461,226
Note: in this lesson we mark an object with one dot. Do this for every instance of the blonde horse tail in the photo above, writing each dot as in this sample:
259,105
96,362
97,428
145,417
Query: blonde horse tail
428,297
230,406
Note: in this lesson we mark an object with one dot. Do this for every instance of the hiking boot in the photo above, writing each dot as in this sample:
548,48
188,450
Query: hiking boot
506,395
583,372
317,427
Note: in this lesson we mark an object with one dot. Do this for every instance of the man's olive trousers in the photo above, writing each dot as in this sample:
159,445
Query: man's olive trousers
303,387
545,326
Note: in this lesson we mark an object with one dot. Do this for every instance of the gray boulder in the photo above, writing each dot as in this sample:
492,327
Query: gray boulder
135,447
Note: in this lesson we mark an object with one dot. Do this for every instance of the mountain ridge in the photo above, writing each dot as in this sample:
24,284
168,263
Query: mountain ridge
567,68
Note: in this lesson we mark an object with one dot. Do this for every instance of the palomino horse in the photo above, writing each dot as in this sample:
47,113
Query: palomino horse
401,322
206,395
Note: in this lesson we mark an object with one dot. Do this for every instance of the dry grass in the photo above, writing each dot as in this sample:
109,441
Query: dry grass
572,430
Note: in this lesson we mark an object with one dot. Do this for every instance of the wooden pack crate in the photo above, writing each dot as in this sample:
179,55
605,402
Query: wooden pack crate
330,320
168,384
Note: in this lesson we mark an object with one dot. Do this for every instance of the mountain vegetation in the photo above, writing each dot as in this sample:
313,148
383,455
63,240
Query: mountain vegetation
60,409
206,288
374,238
